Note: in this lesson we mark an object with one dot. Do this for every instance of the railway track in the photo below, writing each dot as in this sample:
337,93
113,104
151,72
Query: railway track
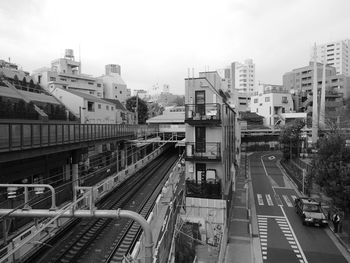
135,194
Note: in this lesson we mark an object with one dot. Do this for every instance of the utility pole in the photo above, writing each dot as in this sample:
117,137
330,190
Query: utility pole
323,96
314,102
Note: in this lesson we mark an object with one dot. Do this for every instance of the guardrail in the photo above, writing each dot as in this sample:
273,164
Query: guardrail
19,136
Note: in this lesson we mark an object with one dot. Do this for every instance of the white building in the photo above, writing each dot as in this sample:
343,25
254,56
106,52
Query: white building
271,101
114,86
66,73
337,54
243,76
90,109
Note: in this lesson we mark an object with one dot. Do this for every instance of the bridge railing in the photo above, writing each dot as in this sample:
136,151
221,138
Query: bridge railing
19,136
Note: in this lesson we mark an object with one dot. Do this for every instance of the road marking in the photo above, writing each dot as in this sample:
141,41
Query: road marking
278,200
269,200
260,199
293,197
288,202
301,255
268,216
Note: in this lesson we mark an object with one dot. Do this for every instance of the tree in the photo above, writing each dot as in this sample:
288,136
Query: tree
179,100
24,83
330,168
154,109
290,138
142,108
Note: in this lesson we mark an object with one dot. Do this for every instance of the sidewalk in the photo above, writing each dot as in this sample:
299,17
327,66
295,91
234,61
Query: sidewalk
239,247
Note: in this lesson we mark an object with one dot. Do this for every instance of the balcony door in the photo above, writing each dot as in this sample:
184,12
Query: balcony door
200,139
200,102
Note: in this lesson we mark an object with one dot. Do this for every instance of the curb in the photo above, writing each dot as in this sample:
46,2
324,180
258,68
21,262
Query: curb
256,252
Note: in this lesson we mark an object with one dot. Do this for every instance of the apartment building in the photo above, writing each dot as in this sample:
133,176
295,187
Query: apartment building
336,54
243,76
300,82
65,73
114,86
211,155
271,102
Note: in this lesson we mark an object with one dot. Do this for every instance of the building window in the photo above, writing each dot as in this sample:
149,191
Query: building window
73,80
98,85
90,106
120,92
256,100
112,108
99,106
63,79
107,107
267,99
98,94
52,79
90,83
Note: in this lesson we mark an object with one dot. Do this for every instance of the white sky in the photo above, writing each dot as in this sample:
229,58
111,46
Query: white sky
156,41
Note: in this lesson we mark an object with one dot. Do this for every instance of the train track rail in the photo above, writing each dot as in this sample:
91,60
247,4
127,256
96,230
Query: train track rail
135,194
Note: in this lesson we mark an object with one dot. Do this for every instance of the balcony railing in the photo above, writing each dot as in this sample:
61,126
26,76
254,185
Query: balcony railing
209,112
206,189
203,151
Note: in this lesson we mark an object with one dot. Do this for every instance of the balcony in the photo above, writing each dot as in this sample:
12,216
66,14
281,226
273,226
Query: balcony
207,151
206,189
199,114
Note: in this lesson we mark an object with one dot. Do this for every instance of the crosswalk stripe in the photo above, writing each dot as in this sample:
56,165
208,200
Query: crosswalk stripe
288,202
269,200
260,199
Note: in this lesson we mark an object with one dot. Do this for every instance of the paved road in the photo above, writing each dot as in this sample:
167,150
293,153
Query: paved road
283,237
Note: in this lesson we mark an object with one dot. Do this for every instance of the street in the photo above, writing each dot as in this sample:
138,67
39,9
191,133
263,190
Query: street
283,237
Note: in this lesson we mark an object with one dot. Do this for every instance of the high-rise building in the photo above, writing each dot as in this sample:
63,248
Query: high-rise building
243,76
336,54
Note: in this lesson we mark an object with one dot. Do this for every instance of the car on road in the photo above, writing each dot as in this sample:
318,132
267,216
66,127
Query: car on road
310,211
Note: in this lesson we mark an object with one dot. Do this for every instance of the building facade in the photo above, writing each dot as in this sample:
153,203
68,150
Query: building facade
114,86
210,152
65,73
271,102
243,76
336,54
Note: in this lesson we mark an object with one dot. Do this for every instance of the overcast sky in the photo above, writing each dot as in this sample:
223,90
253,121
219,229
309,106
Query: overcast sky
157,41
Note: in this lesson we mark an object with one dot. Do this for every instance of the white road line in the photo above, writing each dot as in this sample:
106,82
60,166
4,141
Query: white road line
288,202
295,238
264,257
264,253
263,248
268,216
269,200
293,197
260,199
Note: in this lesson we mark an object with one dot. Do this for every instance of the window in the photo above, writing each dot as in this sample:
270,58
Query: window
98,85
112,108
267,99
107,107
63,79
73,80
90,106
90,83
120,92
99,106
256,100
52,79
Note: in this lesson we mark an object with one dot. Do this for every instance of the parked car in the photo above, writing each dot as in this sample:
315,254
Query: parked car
310,211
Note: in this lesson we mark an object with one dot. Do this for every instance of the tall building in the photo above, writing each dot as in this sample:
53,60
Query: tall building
336,54
211,154
114,86
243,76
